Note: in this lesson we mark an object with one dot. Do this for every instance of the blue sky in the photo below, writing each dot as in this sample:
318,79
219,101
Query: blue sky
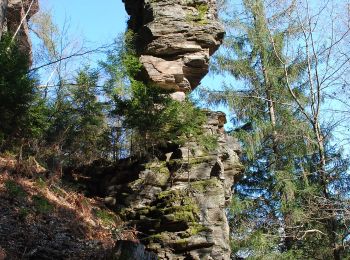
98,21
90,25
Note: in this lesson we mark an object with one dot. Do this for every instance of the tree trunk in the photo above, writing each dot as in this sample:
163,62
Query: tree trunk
288,240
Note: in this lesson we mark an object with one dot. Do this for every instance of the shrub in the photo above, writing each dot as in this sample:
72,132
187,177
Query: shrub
14,189
42,205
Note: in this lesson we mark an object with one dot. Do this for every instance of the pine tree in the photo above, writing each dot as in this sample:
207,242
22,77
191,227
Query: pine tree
270,209
85,133
77,123
153,117
23,112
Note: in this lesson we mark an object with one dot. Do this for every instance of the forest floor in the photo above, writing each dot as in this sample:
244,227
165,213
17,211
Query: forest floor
45,219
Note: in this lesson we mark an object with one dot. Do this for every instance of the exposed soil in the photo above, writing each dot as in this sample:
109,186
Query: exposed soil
42,219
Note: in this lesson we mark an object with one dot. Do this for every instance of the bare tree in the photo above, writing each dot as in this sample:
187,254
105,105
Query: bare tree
321,42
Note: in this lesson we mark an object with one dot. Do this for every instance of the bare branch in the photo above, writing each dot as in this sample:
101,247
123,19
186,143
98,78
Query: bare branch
79,54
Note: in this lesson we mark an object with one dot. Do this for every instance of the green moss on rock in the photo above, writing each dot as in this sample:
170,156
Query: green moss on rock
179,205
199,18
159,175
196,228
161,237
202,186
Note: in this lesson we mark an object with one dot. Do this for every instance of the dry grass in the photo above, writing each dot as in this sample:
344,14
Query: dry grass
34,207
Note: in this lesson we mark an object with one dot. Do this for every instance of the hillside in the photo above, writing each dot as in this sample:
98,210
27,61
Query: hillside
43,219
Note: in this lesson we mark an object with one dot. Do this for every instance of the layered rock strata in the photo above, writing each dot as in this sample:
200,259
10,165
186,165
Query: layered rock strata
177,202
175,39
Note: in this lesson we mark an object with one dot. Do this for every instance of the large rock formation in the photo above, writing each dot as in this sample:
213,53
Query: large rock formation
14,15
175,39
177,202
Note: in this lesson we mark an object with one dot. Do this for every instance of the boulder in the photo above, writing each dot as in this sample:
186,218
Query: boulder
129,250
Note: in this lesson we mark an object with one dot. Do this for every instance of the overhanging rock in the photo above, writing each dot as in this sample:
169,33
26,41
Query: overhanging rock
175,39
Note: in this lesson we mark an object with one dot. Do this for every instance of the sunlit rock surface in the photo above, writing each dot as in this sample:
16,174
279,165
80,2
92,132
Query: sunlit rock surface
177,201
175,39
14,17
3,6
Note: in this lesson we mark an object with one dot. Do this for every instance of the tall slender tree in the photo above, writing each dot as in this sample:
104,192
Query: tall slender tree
323,72
276,198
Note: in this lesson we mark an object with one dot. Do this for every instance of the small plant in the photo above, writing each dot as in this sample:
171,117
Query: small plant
210,142
42,205
40,183
14,189
200,17
23,213
58,191
106,217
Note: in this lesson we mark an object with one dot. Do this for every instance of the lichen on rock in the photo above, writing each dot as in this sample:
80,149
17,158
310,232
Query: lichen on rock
176,202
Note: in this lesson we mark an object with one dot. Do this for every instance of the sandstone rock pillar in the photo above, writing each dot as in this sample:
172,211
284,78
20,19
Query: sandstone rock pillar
178,205
177,202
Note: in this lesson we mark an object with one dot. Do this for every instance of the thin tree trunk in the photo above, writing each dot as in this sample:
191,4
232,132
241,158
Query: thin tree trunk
288,240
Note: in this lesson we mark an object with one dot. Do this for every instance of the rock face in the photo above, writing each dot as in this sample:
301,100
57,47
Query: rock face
130,250
177,202
175,39
12,13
